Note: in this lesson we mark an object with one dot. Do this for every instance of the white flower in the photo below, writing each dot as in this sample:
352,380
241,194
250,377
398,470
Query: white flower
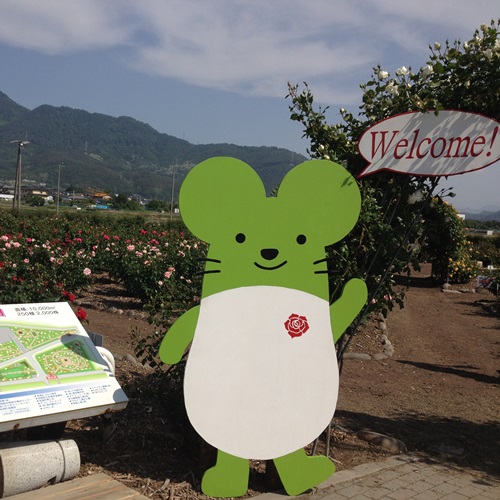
321,147
392,89
484,27
382,74
415,197
466,45
426,71
488,53
326,157
437,45
402,71
497,44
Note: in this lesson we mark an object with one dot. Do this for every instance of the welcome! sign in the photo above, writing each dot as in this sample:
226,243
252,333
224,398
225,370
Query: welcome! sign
447,143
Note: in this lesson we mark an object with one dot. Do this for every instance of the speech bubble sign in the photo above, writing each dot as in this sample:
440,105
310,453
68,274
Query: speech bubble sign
415,143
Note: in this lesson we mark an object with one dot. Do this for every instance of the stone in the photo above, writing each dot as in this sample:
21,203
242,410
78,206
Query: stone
450,450
130,359
388,350
357,355
387,443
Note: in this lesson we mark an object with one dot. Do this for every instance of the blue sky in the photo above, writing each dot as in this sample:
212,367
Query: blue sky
217,70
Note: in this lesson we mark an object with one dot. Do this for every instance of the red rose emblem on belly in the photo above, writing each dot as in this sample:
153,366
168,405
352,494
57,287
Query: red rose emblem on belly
296,325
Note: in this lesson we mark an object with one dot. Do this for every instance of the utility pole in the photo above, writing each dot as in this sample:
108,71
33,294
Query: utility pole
16,202
173,189
58,188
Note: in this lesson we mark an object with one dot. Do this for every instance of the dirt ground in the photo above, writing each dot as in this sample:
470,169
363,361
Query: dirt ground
438,395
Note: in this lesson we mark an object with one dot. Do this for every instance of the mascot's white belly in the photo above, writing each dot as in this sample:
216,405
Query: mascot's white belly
252,388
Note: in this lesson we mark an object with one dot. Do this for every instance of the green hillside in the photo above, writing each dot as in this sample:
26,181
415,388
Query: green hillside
121,154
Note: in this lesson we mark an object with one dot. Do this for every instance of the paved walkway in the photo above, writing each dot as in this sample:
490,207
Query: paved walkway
403,477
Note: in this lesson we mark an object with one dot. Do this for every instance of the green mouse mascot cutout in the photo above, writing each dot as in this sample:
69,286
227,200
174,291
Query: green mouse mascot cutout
261,380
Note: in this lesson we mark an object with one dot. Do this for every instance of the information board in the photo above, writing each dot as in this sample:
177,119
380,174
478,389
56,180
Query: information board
50,371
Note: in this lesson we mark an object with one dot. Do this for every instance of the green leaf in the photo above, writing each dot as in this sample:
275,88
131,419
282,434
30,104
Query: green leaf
438,68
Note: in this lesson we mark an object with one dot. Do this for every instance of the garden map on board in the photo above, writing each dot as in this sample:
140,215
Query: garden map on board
50,371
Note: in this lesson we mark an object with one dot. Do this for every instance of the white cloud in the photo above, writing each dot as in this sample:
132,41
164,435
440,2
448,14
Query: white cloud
248,47
56,26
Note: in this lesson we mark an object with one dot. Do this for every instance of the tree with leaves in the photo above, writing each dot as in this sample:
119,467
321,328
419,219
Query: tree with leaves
399,211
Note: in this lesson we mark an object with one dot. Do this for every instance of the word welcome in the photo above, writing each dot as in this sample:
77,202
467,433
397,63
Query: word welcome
447,143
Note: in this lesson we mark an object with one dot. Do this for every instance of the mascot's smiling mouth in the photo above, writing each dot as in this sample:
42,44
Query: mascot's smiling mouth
271,268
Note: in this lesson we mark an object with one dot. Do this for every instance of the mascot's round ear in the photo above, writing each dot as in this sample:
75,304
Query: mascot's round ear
215,193
325,195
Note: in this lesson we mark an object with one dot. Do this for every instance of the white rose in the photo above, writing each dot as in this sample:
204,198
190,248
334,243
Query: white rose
426,71
488,53
402,71
466,45
382,74
437,45
415,197
392,89
484,27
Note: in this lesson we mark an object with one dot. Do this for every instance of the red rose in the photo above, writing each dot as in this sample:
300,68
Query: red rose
81,314
296,325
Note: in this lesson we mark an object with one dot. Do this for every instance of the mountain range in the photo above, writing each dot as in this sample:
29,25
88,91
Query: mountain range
485,215
120,155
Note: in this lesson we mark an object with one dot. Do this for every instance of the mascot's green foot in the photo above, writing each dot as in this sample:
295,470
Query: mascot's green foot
299,472
227,478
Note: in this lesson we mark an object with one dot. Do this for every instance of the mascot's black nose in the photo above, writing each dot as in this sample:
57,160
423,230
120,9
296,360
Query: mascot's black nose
269,253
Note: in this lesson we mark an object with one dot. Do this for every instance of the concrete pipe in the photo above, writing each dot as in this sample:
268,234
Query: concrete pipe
26,466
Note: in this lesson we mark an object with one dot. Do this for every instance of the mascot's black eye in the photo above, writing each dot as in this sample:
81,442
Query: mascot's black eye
301,239
240,238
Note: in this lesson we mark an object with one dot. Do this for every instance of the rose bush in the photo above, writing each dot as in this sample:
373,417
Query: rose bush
397,215
43,259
